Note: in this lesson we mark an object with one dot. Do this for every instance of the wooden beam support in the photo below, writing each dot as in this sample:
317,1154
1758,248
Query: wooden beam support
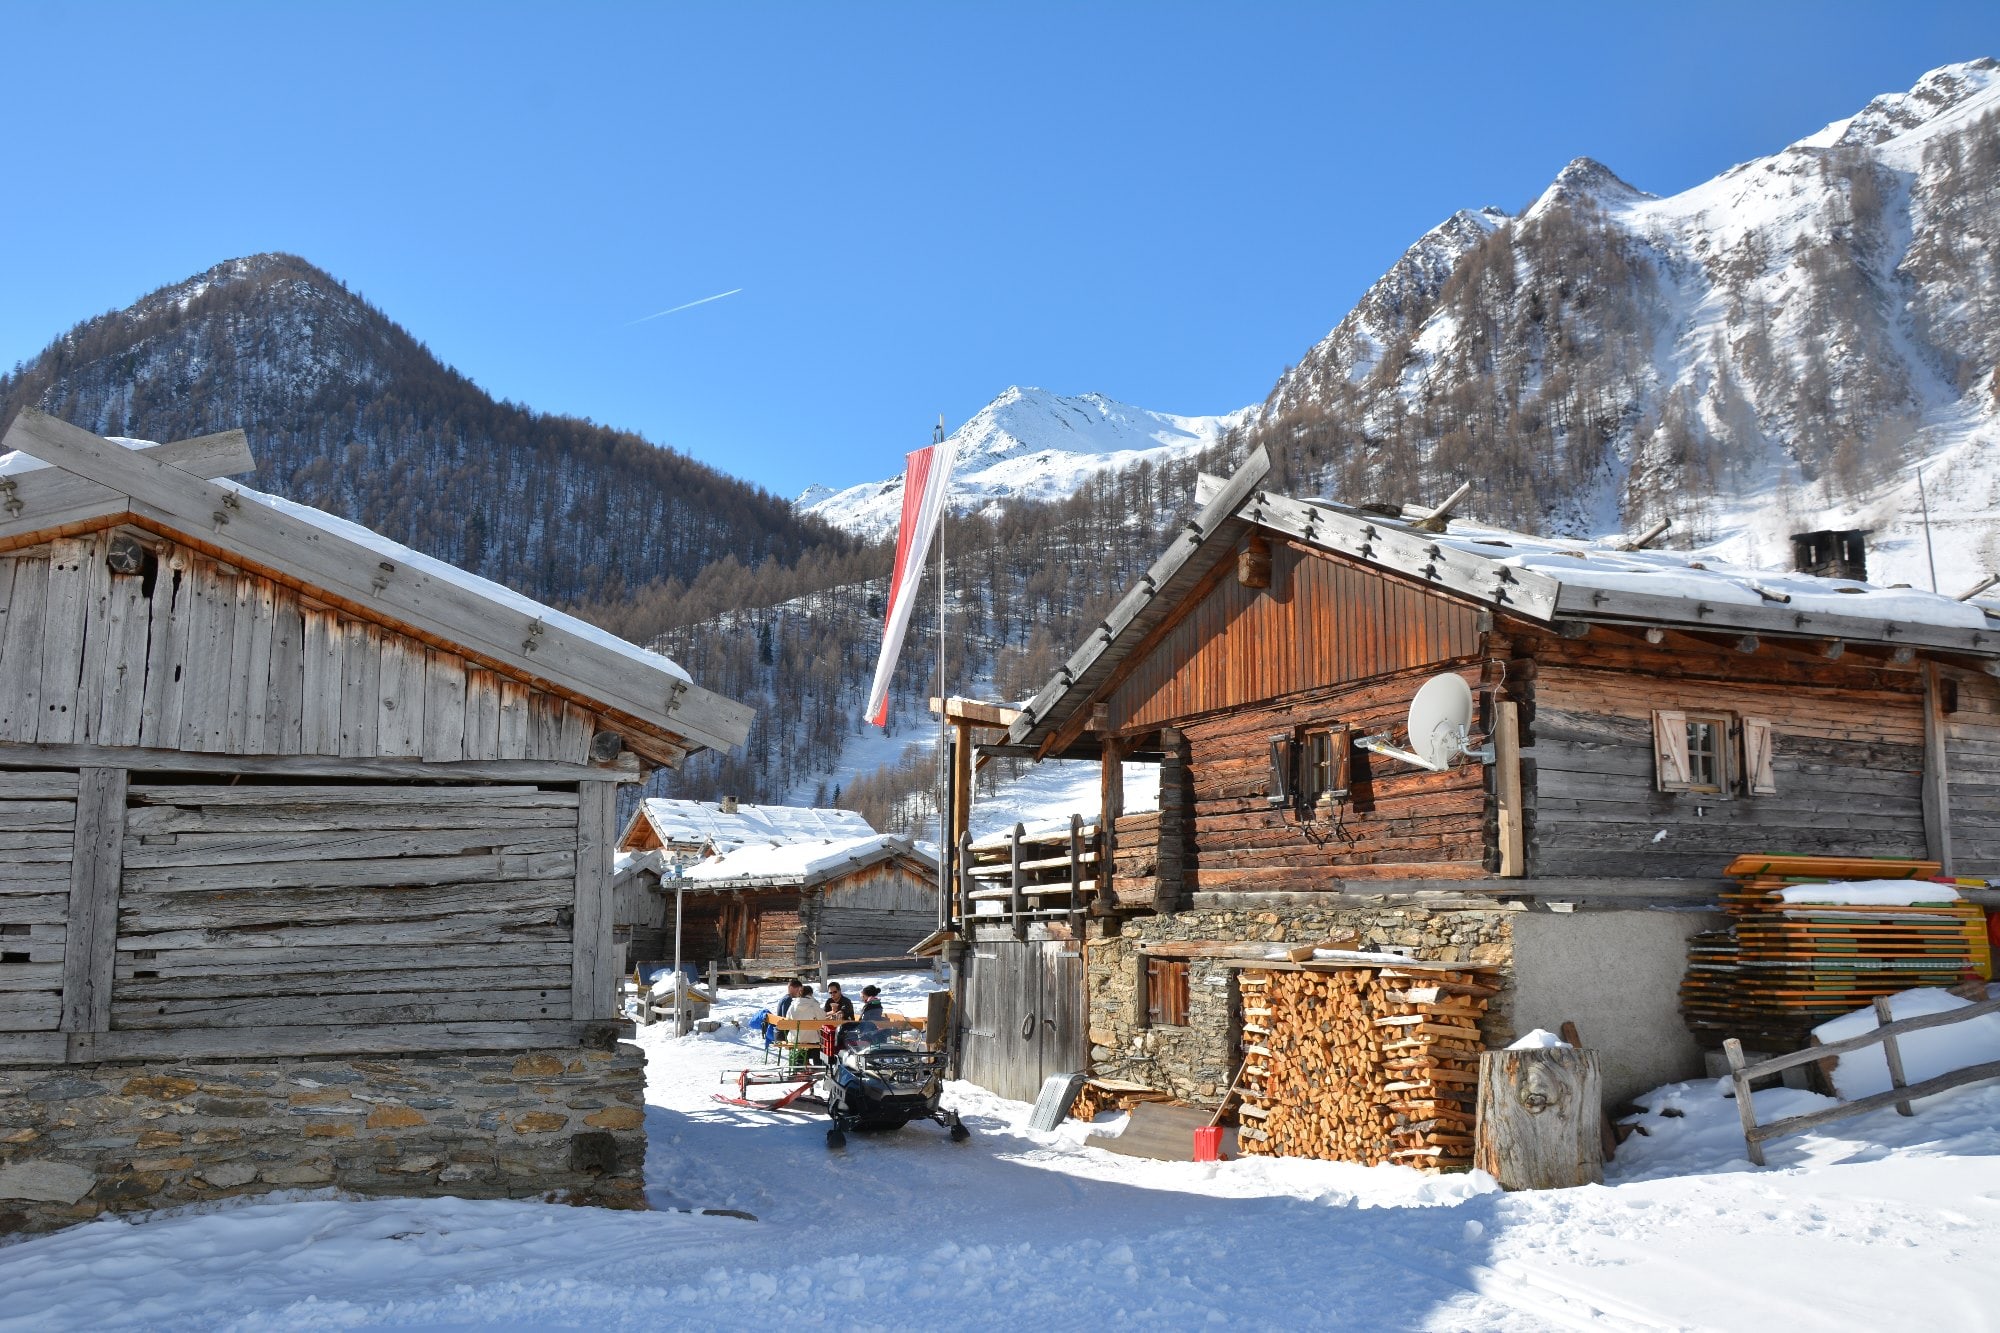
1937,776
312,766
91,946
593,978
1507,789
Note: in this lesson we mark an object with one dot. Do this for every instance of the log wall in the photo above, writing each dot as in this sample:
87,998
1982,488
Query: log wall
1971,733
873,913
246,915
1400,821
197,655
1849,756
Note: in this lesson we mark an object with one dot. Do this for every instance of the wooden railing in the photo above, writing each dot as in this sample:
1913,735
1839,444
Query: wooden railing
1900,1094
1051,875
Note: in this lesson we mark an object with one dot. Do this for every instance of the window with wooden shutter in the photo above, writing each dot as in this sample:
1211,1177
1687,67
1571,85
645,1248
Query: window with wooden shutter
1166,992
1670,750
1759,775
1279,788
1327,754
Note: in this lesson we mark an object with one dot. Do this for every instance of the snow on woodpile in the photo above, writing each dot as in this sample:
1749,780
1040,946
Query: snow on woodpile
796,860
1926,1054
679,821
1871,893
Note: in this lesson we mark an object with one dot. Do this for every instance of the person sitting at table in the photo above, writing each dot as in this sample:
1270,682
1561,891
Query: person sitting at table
805,1039
871,1004
837,1004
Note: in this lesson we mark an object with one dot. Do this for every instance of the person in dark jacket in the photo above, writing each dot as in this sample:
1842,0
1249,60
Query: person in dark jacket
837,1004
871,1004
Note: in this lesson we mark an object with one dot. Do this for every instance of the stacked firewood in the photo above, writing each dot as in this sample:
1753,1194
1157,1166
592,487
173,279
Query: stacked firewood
1361,1064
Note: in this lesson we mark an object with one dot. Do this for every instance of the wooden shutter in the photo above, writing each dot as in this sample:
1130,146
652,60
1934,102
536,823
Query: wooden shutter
1279,788
1759,777
1166,992
1342,767
1670,750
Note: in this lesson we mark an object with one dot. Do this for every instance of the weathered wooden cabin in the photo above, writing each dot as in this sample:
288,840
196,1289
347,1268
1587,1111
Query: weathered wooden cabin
1640,719
305,851
774,910
685,831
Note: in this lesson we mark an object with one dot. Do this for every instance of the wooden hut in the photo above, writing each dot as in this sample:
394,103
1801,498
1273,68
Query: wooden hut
1640,718
686,831
772,910
305,850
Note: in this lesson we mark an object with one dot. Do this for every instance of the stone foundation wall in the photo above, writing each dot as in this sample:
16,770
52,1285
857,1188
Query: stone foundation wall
1195,1062
560,1124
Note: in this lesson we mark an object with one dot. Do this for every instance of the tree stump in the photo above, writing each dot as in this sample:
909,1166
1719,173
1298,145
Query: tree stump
1538,1118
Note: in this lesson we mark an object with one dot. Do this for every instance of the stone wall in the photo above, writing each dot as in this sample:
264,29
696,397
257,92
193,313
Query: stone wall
560,1124
1195,1062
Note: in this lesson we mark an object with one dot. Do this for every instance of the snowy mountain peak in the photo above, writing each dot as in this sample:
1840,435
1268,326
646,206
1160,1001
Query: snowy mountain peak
1032,444
1936,95
1587,181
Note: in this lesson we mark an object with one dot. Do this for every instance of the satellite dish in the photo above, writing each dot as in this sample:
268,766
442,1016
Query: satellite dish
1439,717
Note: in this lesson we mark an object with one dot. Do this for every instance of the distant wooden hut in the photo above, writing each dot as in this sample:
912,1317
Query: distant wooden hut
686,831
770,910
305,850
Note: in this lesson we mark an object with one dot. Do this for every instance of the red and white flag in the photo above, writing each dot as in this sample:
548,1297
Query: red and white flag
924,485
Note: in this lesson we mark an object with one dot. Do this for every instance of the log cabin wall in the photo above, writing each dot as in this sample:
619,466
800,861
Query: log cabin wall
876,912
1328,641
1969,717
1848,758
190,653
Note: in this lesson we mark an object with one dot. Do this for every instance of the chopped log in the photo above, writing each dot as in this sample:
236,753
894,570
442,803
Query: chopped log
1538,1118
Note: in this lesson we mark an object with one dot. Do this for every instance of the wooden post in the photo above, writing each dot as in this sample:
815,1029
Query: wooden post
822,978
1507,789
1538,1117
1891,1052
91,948
961,780
1076,875
1110,806
593,981
1746,1109
714,986
1937,778
964,882
680,982
1014,906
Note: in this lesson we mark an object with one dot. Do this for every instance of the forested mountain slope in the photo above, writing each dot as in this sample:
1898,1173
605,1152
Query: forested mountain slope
347,411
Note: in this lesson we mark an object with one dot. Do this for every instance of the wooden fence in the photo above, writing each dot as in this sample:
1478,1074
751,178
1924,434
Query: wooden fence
1900,1094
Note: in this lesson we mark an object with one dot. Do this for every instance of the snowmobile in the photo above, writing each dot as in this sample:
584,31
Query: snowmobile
877,1080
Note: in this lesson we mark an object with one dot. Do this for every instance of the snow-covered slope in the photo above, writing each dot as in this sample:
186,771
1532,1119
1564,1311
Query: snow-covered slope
1769,351
1031,444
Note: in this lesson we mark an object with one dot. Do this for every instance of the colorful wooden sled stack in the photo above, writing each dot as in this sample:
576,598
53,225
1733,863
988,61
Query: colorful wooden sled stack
1783,967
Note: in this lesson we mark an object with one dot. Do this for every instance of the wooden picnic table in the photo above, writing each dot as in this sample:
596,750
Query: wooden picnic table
789,1024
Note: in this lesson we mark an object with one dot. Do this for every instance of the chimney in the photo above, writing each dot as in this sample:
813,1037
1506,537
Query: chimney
1832,554
729,805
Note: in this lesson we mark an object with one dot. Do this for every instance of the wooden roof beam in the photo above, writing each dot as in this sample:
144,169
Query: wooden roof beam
181,501
974,712
51,496
1436,519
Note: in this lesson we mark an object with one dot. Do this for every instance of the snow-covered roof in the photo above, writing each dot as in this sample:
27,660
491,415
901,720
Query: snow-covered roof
1536,578
707,824
801,863
364,569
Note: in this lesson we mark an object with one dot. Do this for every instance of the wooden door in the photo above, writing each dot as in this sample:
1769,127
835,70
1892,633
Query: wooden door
1024,1015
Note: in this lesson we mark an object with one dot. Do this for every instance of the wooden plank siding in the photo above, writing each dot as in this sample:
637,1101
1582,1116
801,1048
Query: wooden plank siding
201,657
1972,746
37,847
1848,756
1322,622
278,905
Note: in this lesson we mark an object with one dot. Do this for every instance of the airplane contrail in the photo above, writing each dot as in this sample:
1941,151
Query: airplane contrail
688,305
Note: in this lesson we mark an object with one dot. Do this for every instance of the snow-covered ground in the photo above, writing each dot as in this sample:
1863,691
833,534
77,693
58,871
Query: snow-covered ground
1880,1223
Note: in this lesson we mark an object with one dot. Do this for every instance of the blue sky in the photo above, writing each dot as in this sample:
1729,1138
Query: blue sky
920,204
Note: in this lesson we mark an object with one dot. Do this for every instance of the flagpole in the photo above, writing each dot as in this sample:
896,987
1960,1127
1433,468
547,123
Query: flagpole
944,718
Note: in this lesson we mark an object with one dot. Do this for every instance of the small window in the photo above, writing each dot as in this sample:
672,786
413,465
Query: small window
1694,751
1326,759
1166,992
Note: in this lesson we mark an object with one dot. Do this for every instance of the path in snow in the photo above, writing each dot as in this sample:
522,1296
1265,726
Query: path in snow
1017,1228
